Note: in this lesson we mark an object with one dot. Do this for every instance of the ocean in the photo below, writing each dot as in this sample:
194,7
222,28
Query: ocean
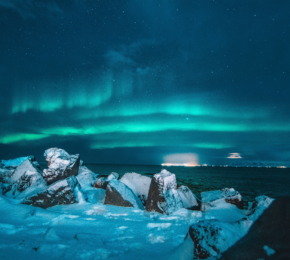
250,182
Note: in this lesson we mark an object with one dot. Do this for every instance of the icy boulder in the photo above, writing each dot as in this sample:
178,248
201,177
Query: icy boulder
138,183
269,237
101,183
189,201
212,237
86,177
67,191
113,175
212,198
25,180
14,163
118,194
163,196
60,165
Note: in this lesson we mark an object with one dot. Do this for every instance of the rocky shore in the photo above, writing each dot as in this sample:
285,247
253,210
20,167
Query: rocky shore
217,225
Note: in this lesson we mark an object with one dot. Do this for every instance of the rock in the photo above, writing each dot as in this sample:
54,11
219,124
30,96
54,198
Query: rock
5,175
113,175
189,201
67,191
118,194
138,183
101,183
14,163
86,177
25,180
163,196
209,198
212,237
60,165
270,231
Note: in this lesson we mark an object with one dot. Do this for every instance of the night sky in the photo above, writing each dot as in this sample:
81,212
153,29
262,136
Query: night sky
146,82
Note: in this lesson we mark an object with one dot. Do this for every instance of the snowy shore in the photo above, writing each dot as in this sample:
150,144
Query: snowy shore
69,212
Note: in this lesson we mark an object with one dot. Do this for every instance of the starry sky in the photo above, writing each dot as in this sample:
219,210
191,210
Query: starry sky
138,82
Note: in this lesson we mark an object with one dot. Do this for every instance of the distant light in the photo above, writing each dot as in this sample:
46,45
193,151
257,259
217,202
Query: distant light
234,156
180,164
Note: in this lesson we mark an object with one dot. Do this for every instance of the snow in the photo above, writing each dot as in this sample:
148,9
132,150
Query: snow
187,197
126,193
138,183
112,176
15,162
97,231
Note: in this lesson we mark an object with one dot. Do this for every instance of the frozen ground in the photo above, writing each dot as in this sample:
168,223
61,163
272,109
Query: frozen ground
97,231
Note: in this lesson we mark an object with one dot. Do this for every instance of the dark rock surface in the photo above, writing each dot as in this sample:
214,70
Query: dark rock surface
272,229
118,194
59,193
155,196
163,196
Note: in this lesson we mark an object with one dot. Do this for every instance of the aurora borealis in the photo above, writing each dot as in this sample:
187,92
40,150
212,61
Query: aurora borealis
137,81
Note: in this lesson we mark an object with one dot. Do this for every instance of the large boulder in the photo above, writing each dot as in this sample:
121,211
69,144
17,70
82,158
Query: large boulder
118,194
61,165
67,191
268,237
138,183
212,237
25,180
189,201
163,196
227,195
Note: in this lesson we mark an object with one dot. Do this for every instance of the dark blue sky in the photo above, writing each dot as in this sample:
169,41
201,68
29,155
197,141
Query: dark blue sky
137,81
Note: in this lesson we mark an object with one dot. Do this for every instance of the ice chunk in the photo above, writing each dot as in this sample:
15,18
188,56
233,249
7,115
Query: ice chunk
138,183
187,197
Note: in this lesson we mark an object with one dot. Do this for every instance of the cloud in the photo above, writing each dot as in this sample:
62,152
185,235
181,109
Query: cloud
29,9
234,156
118,57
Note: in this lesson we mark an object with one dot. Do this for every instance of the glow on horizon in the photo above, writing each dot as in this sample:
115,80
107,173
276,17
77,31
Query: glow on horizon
181,164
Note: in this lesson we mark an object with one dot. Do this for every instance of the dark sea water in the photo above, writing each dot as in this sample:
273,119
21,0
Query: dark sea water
250,182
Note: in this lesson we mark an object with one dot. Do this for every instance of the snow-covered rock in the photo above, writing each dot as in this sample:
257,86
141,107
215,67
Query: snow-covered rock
163,196
118,194
67,191
189,201
13,163
227,195
86,177
212,237
25,180
269,237
112,175
60,165
101,183
138,183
